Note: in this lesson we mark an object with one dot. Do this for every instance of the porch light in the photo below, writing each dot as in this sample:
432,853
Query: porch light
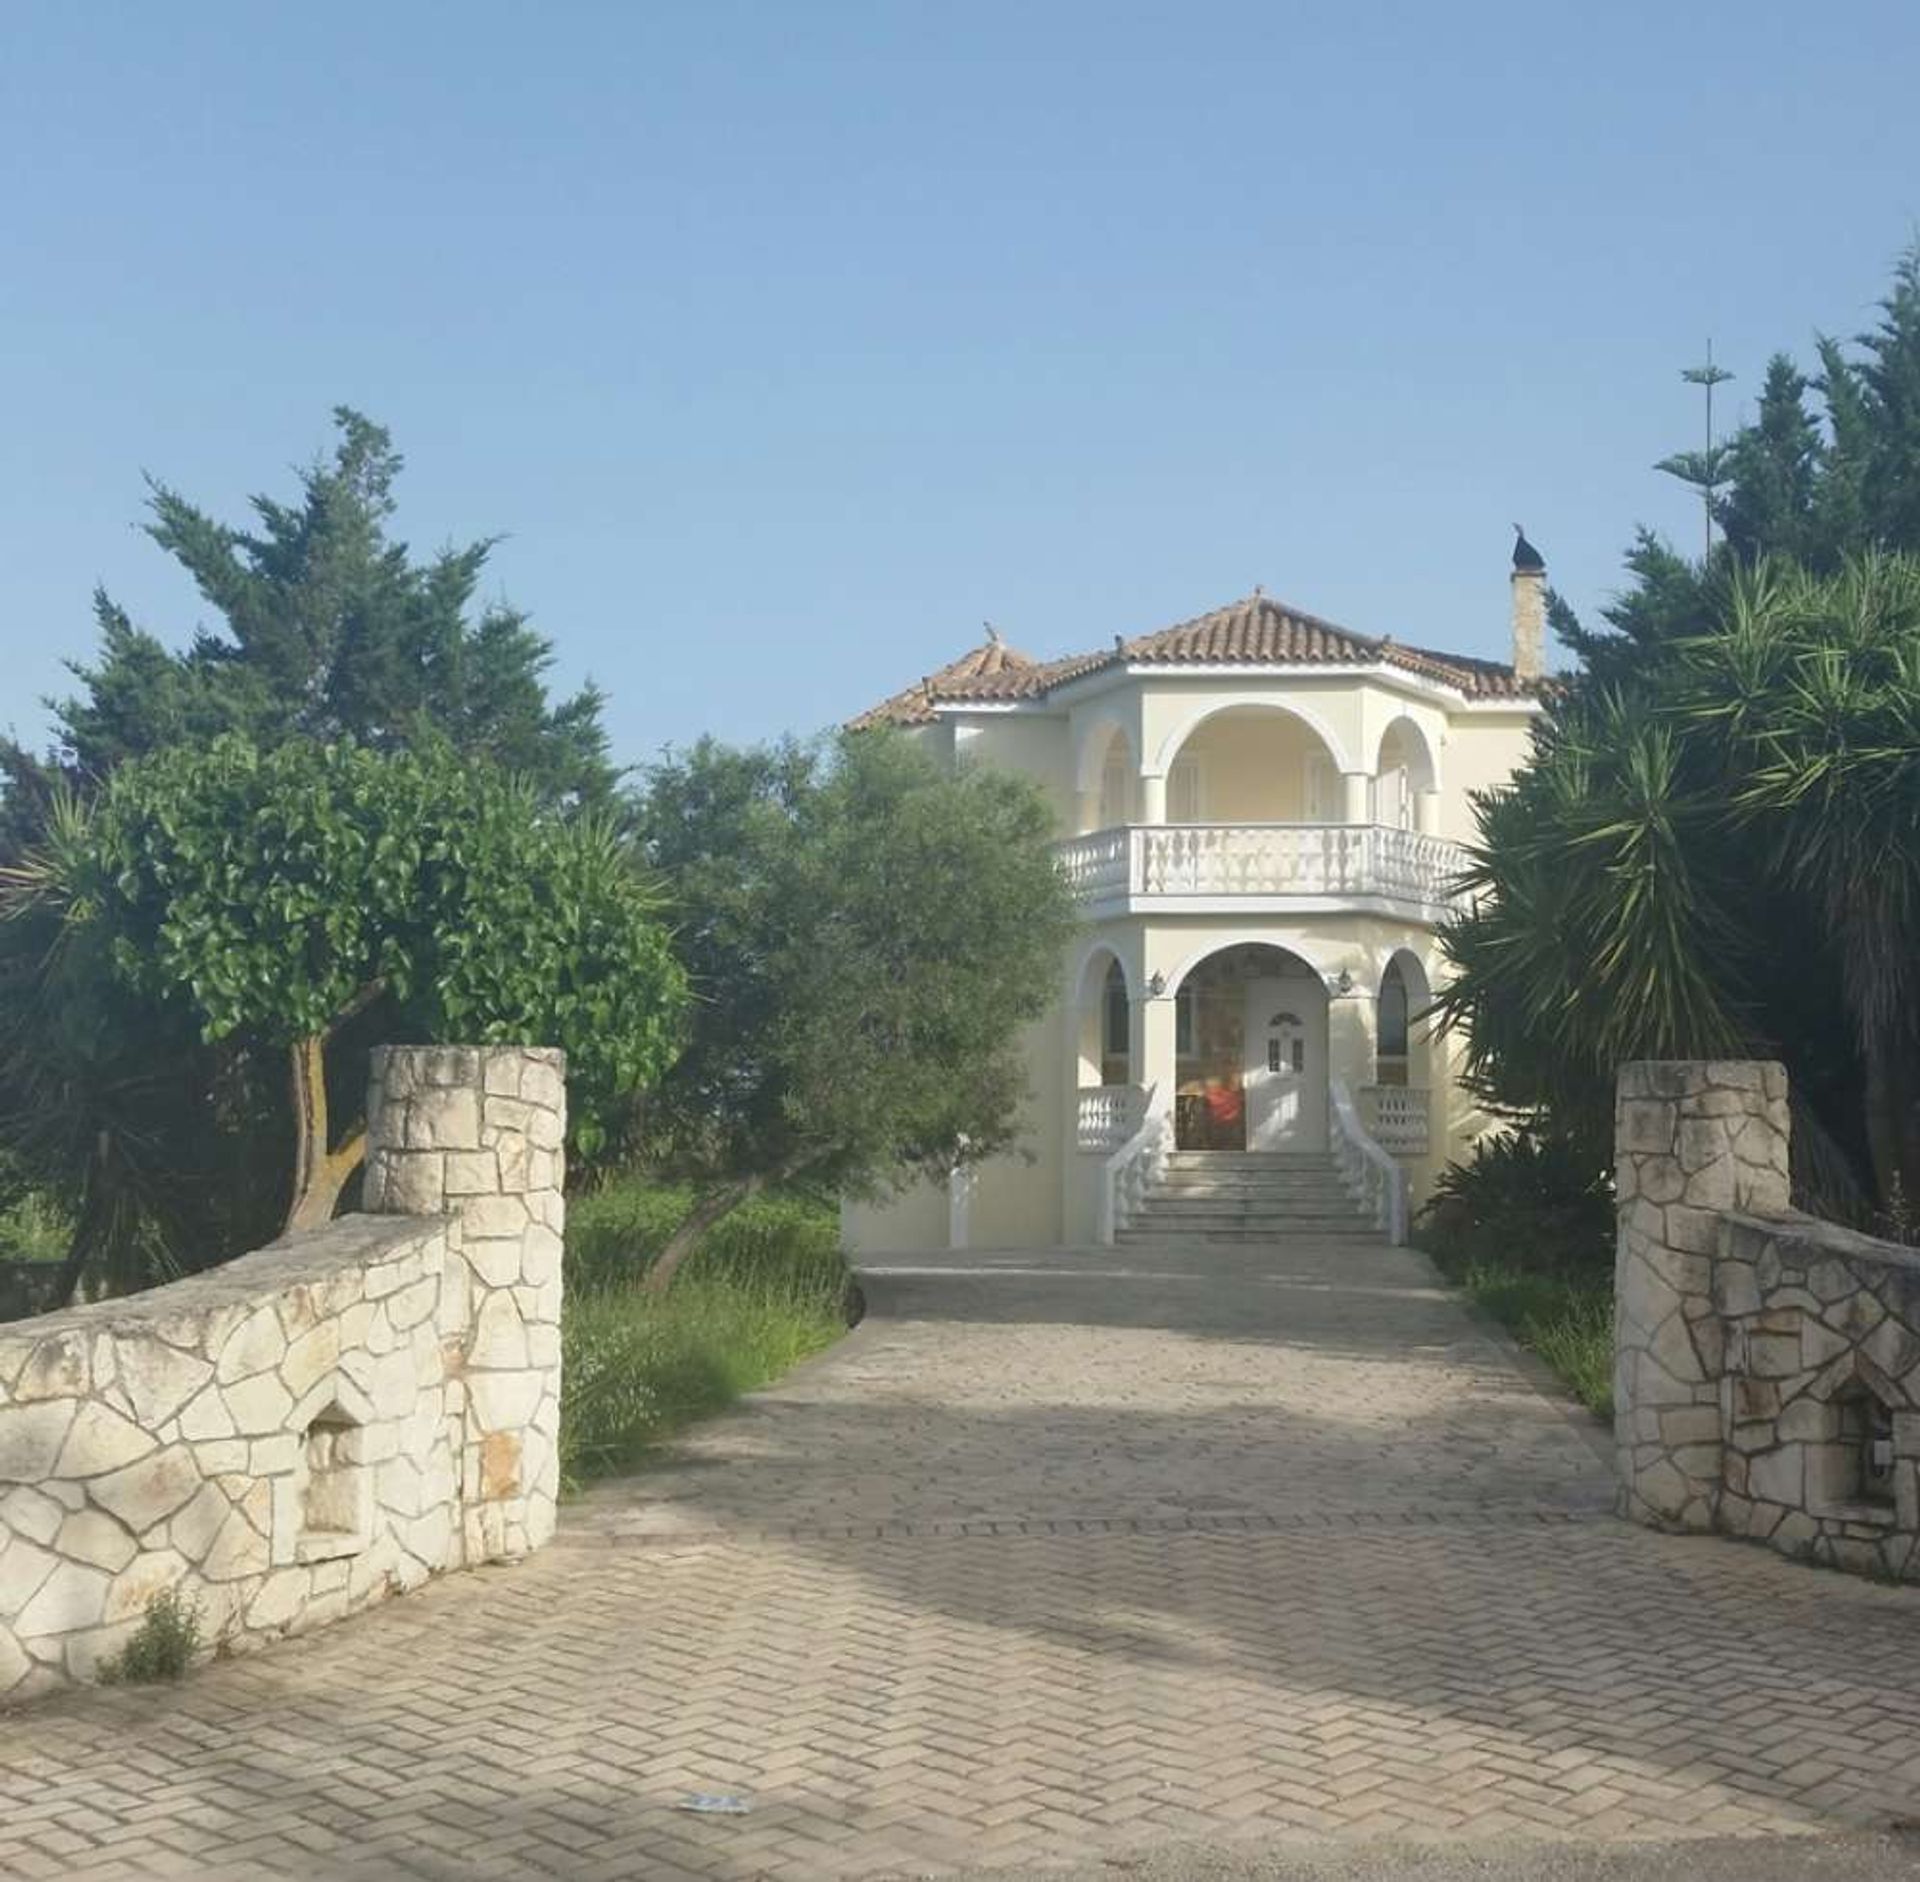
1156,985
1342,982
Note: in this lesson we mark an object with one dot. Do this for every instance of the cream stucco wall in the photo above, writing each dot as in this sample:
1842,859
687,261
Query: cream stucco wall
1483,750
1034,747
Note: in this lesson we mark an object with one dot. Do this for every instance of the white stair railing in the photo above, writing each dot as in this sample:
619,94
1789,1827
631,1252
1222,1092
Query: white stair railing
1129,1173
1372,1177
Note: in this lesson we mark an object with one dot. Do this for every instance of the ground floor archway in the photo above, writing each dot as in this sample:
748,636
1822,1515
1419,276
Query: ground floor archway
1251,1052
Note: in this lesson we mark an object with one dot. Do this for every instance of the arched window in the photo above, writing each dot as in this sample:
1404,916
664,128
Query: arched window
1391,1052
1116,1029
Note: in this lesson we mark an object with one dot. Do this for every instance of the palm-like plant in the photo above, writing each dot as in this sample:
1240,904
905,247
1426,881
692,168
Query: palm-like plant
1719,855
1810,694
148,1138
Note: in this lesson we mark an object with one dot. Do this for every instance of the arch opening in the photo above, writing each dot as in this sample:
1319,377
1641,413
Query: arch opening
1403,773
1403,1034
1108,778
1106,1022
1854,1466
1250,1052
1253,764
336,1487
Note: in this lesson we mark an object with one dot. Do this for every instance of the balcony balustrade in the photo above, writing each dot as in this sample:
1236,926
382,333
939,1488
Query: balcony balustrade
1396,1118
1107,1115
1331,864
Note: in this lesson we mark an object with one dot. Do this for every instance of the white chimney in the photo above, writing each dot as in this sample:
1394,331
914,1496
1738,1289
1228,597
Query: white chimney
1529,610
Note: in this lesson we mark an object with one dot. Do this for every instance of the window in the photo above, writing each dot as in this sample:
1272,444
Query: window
1116,1028
1183,1020
1393,1015
1286,1044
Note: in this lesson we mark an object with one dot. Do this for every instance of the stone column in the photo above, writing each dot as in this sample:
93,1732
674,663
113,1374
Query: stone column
477,1133
1692,1139
1426,812
1153,797
1356,797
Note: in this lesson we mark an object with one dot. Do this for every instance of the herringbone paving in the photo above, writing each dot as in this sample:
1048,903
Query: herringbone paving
1055,1555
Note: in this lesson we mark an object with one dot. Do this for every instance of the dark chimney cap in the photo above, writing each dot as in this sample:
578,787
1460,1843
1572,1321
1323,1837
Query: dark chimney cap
1527,560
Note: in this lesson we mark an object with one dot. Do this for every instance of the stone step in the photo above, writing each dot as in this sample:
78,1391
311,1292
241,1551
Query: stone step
1248,1160
1335,1201
1351,1231
1248,1186
1258,1231
1251,1198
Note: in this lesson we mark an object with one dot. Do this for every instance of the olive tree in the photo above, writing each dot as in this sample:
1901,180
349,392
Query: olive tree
865,935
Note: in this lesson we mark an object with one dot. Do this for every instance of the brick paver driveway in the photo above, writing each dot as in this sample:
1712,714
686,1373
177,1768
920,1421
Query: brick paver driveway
1056,1555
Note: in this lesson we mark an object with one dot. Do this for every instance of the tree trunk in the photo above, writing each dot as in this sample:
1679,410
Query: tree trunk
1883,1107
85,1241
319,1174
710,1209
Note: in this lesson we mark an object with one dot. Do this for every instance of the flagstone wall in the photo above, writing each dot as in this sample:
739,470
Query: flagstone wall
1767,1364
303,1431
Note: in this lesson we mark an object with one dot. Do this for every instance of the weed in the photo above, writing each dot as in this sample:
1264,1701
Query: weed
161,1647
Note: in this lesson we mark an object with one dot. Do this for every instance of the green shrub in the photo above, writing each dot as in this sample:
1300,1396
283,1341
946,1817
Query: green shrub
161,1647
34,1229
765,1288
1527,1201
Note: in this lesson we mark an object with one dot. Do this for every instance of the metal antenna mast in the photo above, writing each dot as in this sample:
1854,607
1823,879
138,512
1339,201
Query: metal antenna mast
1708,376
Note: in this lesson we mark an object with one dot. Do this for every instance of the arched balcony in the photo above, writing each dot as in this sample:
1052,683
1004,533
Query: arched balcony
1395,1106
1109,1103
1406,792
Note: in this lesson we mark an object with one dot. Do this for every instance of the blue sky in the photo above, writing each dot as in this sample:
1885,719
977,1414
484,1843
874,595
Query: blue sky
788,344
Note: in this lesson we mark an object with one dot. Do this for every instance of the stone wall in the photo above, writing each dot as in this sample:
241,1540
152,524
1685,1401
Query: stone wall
1767,1365
303,1431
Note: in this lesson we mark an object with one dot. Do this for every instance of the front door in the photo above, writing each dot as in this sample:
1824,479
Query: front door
1286,1065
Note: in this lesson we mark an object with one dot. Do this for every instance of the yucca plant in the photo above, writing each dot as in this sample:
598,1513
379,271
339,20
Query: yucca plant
1719,855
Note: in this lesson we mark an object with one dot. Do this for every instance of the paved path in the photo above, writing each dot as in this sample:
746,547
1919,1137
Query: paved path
1056,1557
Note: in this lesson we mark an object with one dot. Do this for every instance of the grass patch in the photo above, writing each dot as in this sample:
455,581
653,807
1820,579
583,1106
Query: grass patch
1567,1322
1525,1229
767,1287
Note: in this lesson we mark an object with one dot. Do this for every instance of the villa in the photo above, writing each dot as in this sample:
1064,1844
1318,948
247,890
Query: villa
1267,814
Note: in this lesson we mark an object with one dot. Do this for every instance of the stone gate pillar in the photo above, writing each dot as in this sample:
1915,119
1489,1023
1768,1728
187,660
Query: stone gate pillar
477,1133
1692,1138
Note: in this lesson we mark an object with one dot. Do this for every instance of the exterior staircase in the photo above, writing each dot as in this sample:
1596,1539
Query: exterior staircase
1247,1197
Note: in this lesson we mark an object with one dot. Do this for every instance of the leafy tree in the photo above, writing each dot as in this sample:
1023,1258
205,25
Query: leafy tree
269,898
330,631
1774,468
1719,854
149,1134
865,934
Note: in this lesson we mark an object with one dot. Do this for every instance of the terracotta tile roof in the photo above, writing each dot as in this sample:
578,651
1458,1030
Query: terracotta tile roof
1254,631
